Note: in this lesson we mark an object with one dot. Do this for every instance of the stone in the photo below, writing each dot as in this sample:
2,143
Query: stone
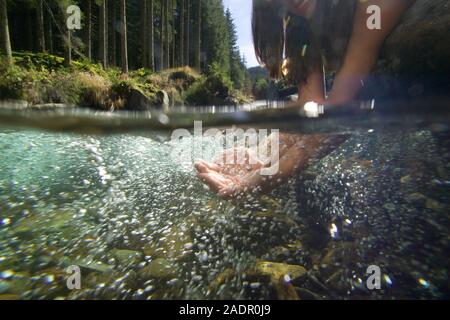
13,104
18,285
415,198
174,245
127,257
137,101
50,106
390,207
281,253
158,269
5,297
277,271
406,179
56,221
436,206
285,290
222,278
306,294
88,265
5,286
163,99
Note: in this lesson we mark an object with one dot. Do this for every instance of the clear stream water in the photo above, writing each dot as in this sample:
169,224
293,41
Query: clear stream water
140,225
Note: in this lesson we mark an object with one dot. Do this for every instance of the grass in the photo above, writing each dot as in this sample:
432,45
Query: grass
41,78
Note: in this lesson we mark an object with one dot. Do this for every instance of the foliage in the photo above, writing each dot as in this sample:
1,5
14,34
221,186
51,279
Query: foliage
214,89
42,78
261,89
37,71
13,81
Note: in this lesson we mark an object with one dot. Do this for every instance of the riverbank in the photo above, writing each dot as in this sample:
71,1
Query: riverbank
42,81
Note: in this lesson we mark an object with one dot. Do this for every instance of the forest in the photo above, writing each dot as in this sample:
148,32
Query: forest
190,44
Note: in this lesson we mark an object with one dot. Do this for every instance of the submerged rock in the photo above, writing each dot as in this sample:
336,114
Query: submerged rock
306,294
285,290
56,221
88,265
222,278
4,286
6,297
279,270
173,245
436,206
127,257
158,269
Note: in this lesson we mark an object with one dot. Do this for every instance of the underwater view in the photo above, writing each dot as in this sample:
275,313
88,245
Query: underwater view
224,150
141,225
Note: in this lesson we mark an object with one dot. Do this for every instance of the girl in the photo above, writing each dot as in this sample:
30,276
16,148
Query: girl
301,38
297,40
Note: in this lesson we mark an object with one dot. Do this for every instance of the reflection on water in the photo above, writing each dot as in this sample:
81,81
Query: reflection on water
140,225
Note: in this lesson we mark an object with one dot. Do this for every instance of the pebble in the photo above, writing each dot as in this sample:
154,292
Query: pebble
4,287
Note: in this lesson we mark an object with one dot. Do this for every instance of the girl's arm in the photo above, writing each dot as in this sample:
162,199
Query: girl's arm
364,47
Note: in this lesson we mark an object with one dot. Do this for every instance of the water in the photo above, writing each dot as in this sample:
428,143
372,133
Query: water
140,224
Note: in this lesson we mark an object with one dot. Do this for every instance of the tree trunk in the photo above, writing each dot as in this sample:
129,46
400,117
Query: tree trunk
29,18
113,33
49,33
198,41
162,33
151,48
88,34
123,32
144,34
174,8
103,51
40,26
68,49
167,35
4,33
186,33
181,36
170,19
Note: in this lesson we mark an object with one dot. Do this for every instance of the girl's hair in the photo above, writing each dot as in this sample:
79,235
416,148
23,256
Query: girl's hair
289,47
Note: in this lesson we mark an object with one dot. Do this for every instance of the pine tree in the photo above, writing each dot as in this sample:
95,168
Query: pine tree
151,49
4,33
103,35
123,36
166,34
216,43
40,26
66,33
237,68
187,24
49,33
162,34
88,28
182,32
113,33
172,33
144,35
181,35
198,31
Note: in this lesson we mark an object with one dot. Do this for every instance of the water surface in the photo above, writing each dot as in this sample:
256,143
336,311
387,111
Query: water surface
140,224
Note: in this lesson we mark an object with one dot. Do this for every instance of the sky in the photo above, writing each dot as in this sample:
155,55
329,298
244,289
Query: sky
241,11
